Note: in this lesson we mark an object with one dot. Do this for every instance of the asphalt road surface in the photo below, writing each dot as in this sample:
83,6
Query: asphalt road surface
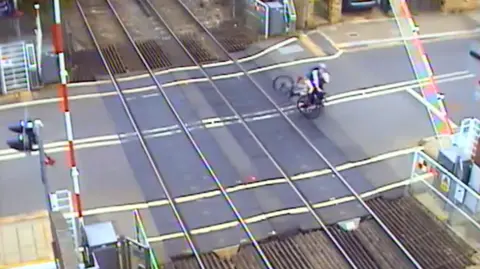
115,171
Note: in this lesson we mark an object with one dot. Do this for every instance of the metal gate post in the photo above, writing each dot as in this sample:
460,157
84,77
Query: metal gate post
413,174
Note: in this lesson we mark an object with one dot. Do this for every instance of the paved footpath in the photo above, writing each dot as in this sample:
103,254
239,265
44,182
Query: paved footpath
434,25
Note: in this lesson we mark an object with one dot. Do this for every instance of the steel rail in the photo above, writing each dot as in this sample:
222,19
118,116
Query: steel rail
141,138
253,135
306,139
192,141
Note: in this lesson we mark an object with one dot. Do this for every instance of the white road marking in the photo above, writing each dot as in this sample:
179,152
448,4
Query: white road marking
215,122
190,68
399,40
168,84
172,83
117,139
250,185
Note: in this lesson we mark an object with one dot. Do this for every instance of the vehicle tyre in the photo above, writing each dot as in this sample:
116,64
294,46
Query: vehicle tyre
311,112
284,84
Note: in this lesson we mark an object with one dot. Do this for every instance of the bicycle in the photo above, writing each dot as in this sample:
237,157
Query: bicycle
285,84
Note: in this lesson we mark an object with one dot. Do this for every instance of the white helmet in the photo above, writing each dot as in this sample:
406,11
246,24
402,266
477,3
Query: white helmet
323,71
326,77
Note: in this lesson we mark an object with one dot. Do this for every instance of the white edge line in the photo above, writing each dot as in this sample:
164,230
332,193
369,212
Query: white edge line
172,83
188,68
9,154
354,44
395,85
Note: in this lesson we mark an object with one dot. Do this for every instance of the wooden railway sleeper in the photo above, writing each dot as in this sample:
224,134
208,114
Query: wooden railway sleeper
427,221
410,233
396,226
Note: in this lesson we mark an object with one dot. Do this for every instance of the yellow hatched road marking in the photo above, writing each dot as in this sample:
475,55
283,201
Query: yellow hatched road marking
310,45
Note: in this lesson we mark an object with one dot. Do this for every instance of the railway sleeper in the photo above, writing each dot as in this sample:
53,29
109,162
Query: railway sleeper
395,219
246,258
233,42
353,247
201,54
114,60
437,247
444,234
154,54
318,250
384,251
284,255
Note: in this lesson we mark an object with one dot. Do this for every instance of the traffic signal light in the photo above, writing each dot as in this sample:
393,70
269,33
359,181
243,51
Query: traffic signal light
475,51
26,140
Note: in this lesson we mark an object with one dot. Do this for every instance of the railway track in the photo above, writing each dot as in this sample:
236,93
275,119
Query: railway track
200,46
114,68
368,245
159,51
181,7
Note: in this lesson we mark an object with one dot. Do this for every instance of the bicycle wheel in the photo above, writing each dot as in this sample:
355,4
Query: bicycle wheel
283,83
310,112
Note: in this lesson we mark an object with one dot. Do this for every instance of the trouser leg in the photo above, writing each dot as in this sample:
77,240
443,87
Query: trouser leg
320,95
311,97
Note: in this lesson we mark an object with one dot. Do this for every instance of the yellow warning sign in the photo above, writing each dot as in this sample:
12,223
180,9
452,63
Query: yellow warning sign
444,183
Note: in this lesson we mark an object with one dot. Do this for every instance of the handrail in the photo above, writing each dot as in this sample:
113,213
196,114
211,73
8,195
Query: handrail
448,201
32,61
290,14
448,173
27,72
140,234
2,73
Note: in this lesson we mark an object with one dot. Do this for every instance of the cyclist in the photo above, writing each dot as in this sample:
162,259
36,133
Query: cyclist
315,79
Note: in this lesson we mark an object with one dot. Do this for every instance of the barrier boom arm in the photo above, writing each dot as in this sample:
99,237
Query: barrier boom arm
421,66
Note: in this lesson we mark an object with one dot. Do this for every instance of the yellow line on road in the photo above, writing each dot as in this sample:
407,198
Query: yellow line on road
251,185
310,45
291,211
29,264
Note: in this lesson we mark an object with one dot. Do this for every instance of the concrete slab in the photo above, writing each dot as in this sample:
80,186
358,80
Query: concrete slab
25,240
388,123
243,96
197,102
159,221
387,171
206,212
100,169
